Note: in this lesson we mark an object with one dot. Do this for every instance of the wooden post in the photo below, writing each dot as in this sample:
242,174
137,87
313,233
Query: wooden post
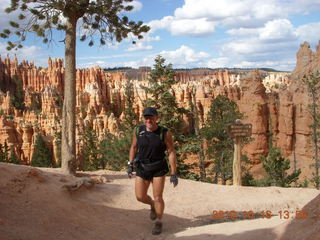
237,162
238,131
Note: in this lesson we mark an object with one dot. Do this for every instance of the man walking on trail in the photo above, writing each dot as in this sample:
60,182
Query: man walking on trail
148,147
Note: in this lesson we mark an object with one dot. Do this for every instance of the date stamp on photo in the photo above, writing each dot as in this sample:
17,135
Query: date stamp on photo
266,214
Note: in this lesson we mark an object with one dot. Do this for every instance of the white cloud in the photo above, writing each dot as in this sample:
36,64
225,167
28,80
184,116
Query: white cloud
139,46
126,55
309,32
252,9
197,27
274,30
181,57
231,13
193,9
165,22
29,53
279,29
272,45
137,6
192,27
218,62
201,17
5,17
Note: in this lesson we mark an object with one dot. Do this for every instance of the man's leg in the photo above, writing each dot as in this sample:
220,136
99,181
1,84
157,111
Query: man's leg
158,186
141,189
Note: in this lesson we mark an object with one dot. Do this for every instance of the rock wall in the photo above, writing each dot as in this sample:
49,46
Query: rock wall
293,118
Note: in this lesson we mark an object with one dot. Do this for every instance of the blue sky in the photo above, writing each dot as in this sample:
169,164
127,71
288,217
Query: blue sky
198,33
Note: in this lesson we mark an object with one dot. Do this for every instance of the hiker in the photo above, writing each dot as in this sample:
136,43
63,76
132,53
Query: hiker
147,153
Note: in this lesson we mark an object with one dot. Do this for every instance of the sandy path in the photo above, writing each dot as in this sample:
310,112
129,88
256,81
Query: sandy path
33,205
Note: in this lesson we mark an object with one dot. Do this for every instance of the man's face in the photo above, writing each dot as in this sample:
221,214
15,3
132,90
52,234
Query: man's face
150,121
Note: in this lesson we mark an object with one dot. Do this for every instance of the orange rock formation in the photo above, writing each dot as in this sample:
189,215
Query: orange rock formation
101,101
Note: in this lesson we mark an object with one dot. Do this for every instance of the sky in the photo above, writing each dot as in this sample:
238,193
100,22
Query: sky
195,33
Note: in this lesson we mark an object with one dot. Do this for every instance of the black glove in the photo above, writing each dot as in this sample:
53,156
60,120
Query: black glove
130,170
174,180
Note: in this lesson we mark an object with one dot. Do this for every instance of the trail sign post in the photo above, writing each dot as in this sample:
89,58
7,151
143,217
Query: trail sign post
238,131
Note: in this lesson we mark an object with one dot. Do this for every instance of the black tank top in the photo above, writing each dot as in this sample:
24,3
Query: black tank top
150,146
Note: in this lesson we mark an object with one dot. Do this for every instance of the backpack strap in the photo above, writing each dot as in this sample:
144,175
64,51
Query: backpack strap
163,131
139,129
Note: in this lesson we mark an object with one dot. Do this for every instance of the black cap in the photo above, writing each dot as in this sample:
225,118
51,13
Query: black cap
150,111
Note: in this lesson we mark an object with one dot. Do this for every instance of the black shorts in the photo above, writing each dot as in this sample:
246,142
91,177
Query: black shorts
149,174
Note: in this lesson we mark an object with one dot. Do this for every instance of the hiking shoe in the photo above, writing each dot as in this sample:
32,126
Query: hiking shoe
157,229
153,214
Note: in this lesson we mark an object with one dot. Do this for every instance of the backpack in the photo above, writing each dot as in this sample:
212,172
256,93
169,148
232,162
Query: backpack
141,128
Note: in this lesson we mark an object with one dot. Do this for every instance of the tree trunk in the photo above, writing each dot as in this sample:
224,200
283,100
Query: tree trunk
68,144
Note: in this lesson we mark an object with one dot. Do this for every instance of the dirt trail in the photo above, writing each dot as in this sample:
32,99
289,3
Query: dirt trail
35,206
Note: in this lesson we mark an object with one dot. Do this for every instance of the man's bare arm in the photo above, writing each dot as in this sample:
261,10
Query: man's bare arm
133,147
171,153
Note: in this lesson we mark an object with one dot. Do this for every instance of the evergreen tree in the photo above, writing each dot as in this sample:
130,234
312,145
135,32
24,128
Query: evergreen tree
42,155
103,18
114,151
13,158
223,112
2,155
313,85
90,151
36,104
198,139
17,96
276,167
130,117
161,95
6,151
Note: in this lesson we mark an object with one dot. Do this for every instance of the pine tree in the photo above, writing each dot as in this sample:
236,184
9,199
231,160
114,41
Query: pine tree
42,155
2,155
198,137
114,151
13,158
160,90
17,96
130,117
223,112
36,104
103,18
313,85
276,167
90,150
6,151
161,95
